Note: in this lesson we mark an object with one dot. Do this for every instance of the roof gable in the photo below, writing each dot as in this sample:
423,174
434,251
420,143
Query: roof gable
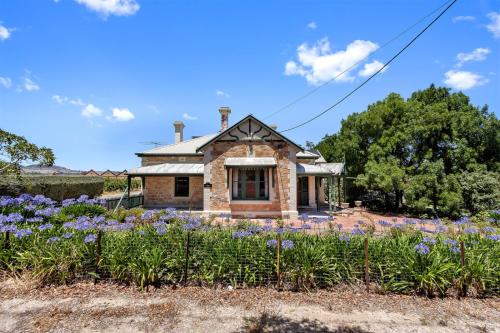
249,129
188,147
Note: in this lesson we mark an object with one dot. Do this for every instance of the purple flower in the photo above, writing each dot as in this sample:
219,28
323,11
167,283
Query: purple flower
471,231
409,222
429,240
147,215
45,227
141,232
455,249
345,238
272,243
23,233
67,235
52,240
357,231
384,223
287,244
36,219
304,217
488,230
90,238
422,248
269,221
451,242
267,228
495,237
14,218
461,221
241,234
306,226
8,228
441,229
68,202
130,219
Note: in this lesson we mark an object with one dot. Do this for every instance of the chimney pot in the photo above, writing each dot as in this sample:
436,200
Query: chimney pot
224,117
179,131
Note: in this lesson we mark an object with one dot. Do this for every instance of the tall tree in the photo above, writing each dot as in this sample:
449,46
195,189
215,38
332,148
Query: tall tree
415,150
14,150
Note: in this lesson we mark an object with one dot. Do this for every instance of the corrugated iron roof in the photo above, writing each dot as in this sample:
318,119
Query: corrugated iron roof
250,161
187,147
169,169
320,169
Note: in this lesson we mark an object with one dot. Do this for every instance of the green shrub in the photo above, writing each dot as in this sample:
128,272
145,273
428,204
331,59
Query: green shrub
57,187
120,184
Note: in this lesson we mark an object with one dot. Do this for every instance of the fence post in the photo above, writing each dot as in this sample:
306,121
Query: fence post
186,265
462,263
6,243
367,274
97,255
278,262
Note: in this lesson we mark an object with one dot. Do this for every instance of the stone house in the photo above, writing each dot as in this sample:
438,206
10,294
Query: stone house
248,169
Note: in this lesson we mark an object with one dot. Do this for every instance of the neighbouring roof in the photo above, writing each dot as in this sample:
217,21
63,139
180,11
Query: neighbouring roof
250,116
187,147
249,161
320,169
169,169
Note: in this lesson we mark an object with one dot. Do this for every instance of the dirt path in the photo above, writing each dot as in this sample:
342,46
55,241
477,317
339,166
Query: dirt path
109,308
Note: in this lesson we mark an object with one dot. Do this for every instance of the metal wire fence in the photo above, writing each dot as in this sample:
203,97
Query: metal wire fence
279,258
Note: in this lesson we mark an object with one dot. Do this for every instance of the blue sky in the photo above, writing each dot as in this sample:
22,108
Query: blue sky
95,79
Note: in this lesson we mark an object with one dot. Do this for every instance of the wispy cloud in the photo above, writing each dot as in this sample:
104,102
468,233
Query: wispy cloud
6,82
187,116
463,80
121,114
478,54
62,100
221,93
465,18
91,111
318,64
111,7
5,32
312,25
494,26
371,68
30,85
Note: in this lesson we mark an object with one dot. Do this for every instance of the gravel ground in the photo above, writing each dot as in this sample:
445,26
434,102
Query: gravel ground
85,307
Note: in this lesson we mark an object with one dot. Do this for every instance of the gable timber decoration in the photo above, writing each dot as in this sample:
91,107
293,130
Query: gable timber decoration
250,129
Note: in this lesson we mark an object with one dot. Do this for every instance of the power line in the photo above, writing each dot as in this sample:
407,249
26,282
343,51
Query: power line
312,91
377,72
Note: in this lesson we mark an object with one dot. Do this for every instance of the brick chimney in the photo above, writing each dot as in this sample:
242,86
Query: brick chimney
224,117
179,131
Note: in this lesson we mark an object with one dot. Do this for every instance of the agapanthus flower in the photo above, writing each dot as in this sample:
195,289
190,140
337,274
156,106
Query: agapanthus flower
384,223
241,234
451,242
304,217
287,244
47,212
272,243
90,238
45,226
306,226
23,233
495,237
455,249
463,220
141,232
14,218
409,222
268,221
130,219
357,231
36,219
147,215
441,228
8,228
488,229
471,231
429,240
267,228
68,202
29,208
422,248
67,235
345,238
53,239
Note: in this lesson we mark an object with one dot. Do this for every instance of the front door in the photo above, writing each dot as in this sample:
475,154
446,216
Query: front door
303,191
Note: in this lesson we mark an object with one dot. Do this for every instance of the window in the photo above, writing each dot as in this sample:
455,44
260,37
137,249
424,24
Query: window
182,186
250,184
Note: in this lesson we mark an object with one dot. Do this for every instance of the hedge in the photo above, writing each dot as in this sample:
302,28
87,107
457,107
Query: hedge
120,184
57,187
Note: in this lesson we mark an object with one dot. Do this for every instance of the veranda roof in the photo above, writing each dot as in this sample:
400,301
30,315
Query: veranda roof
323,169
169,169
250,162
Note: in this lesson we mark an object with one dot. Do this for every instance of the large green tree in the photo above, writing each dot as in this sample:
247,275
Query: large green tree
15,149
418,151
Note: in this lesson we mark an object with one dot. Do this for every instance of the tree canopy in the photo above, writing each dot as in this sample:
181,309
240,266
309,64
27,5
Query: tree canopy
15,149
433,151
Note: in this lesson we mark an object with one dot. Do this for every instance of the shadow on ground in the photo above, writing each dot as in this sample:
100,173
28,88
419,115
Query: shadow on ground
272,323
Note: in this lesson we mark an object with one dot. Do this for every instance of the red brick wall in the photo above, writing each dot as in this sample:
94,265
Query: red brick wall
220,196
159,192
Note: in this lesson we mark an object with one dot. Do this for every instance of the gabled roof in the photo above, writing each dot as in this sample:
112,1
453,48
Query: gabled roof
250,116
188,147
169,169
